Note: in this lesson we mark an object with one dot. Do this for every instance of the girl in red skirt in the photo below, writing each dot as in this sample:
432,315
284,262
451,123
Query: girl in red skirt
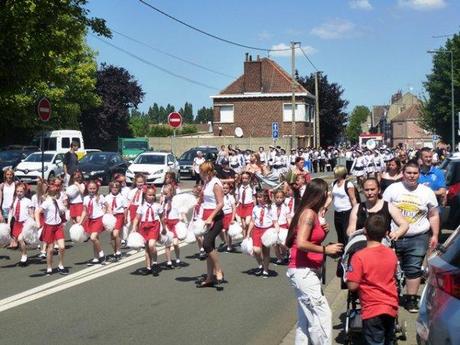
245,201
118,206
136,196
37,200
229,210
171,217
283,215
20,212
76,203
94,207
53,230
263,218
148,223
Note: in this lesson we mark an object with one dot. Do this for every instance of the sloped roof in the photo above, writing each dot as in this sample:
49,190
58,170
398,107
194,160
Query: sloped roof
411,113
273,80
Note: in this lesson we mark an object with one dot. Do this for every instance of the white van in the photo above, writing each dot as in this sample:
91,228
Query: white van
60,141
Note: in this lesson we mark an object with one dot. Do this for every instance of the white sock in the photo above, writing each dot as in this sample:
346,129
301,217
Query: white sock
169,263
23,258
177,260
101,253
155,263
61,267
201,249
49,270
118,253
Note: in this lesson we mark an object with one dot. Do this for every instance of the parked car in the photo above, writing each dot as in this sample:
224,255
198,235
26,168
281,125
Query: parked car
438,321
154,166
451,213
9,159
186,160
30,169
102,165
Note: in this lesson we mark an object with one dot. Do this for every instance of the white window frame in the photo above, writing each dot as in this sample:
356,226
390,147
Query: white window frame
300,116
227,120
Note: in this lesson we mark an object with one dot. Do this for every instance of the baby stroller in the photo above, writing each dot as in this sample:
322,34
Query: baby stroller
353,322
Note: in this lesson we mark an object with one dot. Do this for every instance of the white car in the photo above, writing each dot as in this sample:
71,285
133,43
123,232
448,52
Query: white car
30,169
154,166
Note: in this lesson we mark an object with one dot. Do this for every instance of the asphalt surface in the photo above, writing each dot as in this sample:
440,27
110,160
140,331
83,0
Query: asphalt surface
114,304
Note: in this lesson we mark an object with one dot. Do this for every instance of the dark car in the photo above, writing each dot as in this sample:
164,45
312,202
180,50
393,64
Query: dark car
451,215
186,160
11,158
102,165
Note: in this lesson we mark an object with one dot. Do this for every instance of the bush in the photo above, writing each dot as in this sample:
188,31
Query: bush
166,131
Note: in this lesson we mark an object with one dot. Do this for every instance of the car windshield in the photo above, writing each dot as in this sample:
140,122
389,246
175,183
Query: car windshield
453,173
96,158
137,145
189,155
37,157
150,159
9,156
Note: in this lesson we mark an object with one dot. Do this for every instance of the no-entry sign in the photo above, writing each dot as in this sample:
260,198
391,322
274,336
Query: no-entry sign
44,109
175,120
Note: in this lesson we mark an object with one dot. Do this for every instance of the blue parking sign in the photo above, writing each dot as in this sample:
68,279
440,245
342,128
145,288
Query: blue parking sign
275,130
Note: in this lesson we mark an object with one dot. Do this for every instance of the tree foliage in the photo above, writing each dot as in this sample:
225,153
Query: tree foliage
119,92
332,116
187,113
204,115
44,54
437,108
358,116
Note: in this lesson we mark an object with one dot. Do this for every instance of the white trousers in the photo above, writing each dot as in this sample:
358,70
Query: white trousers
314,317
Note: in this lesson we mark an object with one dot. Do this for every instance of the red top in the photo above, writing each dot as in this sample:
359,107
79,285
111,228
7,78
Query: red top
301,259
374,269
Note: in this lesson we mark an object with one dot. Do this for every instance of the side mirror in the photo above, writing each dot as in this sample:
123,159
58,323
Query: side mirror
58,161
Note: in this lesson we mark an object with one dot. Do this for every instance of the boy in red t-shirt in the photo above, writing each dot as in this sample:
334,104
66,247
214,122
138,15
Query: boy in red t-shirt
372,273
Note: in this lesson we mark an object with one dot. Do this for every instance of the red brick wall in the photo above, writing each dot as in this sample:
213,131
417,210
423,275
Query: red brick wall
255,117
410,134
252,76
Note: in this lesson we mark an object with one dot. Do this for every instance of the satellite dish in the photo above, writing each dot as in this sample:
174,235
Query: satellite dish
371,144
238,132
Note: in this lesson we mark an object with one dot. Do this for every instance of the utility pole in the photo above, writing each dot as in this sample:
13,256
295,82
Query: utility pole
316,124
293,131
452,98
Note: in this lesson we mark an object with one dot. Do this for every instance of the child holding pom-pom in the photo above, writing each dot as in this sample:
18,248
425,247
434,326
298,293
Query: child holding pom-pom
20,211
117,205
229,210
76,200
171,216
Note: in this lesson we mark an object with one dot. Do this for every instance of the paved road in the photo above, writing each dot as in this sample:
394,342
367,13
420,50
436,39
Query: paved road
113,304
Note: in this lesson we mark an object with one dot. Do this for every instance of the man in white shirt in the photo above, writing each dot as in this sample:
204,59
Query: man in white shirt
197,161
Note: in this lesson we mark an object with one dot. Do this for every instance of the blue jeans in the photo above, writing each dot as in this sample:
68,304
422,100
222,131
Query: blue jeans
411,251
379,330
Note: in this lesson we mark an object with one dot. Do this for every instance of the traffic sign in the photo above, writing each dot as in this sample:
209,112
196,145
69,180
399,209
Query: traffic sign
275,130
44,109
175,120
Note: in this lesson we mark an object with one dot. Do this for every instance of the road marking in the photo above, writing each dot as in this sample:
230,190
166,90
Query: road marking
74,279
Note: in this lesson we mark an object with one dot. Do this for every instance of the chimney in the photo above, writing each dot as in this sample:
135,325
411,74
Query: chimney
252,75
247,57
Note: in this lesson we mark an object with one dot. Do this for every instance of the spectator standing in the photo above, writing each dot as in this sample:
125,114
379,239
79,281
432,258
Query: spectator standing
197,161
70,162
432,176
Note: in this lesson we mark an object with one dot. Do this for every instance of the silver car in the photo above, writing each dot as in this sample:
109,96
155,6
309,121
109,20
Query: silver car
438,321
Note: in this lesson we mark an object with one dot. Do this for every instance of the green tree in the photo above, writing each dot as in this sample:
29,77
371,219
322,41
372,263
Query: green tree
44,54
204,115
187,113
332,116
139,123
358,116
437,108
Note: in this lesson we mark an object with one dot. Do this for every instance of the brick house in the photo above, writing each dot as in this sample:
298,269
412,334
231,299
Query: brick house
260,96
406,130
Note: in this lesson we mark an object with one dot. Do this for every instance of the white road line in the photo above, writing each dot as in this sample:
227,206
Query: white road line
71,280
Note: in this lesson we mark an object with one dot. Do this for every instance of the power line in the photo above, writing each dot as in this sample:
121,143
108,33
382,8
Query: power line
209,34
155,65
306,56
171,55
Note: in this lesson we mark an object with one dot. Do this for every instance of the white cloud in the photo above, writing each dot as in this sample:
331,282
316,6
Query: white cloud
422,4
286,50
264,36
334,29
360,4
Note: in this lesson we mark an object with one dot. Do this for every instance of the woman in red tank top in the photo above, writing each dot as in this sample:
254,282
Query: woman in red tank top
304,239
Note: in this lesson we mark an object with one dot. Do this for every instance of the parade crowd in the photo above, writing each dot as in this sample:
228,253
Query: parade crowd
261,193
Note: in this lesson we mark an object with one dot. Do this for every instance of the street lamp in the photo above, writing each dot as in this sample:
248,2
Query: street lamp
451,89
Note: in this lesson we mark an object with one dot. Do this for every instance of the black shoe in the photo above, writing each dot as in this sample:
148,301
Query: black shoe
205,284
64,271
203,255
23,263
155,270
48,272
169,265
412,304
93,262
102,260
265,274
259,271
229,249
145,271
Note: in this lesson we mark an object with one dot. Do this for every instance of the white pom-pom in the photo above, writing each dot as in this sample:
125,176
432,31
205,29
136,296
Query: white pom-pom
77,233
282,235
67,214
181,230
30,233
234,230
109,221
72,191
238,237
5,236
166,239
199,227
246,246
270,237
183,202
190,236
135,240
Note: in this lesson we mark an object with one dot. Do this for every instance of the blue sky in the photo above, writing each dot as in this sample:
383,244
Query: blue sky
372,48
